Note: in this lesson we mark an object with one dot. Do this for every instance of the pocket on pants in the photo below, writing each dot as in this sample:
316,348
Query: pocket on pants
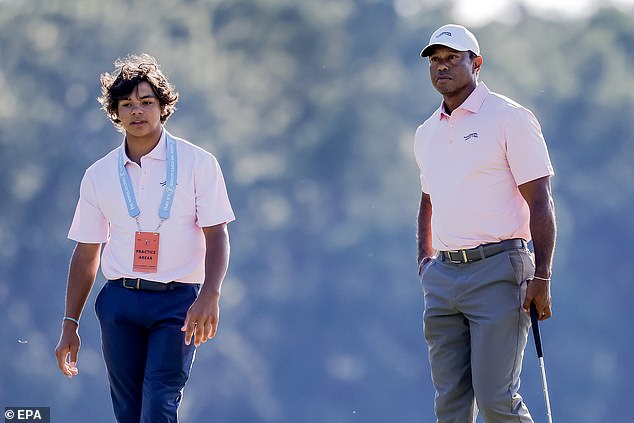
424,265
425,273
523,265
524,269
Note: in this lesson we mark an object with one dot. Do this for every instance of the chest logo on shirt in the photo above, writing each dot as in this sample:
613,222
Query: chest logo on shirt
471,135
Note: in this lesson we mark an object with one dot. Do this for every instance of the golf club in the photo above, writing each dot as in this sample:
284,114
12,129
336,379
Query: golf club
540,356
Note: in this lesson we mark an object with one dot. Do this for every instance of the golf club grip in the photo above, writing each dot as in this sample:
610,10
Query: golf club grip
536,335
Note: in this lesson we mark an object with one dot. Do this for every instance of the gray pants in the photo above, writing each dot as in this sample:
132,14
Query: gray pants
476,331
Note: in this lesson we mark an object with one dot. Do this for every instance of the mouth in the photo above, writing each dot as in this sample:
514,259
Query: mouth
137,122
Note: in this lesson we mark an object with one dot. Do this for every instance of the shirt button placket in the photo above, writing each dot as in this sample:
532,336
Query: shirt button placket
451,130
143,178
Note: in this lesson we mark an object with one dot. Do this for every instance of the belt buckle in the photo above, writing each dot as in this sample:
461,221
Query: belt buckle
462,252
135,286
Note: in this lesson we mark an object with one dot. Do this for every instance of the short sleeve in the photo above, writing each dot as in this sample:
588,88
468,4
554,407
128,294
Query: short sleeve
212,201
89,224
423,183
526,149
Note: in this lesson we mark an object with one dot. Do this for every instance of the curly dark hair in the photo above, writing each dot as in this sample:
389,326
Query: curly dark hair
130,72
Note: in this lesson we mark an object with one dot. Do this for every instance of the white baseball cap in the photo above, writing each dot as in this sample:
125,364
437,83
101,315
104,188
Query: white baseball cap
453,36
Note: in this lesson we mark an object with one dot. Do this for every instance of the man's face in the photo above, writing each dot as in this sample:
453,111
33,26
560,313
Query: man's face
140,112
452,72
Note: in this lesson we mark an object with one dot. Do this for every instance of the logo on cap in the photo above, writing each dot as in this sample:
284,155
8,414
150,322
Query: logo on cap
447,33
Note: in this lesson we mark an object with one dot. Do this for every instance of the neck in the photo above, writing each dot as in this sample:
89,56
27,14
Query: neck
137,147
452,102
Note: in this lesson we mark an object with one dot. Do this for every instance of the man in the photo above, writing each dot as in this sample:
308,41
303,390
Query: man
485,175
160,206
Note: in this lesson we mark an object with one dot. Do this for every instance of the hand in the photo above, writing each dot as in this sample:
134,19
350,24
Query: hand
202,319
538,292
67,349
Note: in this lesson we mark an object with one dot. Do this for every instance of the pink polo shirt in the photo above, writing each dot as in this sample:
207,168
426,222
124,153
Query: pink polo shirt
201,200
471,163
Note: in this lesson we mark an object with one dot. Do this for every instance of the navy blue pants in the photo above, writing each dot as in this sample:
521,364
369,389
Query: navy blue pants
144,349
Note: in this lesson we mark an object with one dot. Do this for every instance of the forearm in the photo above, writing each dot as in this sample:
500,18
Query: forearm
423,232
202,317
216,259
543,229
83,269
543,232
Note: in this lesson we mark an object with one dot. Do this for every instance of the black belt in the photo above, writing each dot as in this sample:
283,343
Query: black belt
483,251
144,285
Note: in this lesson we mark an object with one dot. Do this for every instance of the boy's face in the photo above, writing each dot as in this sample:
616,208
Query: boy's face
140,112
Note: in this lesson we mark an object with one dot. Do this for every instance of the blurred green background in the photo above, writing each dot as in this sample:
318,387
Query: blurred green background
310,107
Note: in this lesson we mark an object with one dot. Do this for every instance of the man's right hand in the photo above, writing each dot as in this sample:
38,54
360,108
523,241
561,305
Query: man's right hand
68,348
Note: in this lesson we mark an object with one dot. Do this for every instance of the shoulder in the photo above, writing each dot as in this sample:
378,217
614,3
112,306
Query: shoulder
501,102
510,111
429,122
106,163
194,157
190,148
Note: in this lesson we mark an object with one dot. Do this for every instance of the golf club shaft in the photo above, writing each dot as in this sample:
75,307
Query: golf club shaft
545,388
540,356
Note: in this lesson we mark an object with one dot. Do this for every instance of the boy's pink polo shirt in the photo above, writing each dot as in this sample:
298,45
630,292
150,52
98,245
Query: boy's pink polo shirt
471,163
201,200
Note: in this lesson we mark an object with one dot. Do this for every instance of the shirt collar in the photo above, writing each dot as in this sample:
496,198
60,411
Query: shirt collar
471,104
159,152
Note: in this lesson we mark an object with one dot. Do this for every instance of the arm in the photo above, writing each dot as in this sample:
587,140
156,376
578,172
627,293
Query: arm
202,318
81,276
423,233
543,229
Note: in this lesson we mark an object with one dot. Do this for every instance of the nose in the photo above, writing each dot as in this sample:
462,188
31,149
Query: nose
137,109
442,65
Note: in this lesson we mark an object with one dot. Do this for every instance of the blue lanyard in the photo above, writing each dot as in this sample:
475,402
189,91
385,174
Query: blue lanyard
168,193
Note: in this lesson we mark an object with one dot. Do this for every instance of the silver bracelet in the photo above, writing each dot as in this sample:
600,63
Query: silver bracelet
71,319
541,279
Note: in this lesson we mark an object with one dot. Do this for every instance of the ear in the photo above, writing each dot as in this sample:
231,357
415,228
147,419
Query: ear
477,63
114,112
